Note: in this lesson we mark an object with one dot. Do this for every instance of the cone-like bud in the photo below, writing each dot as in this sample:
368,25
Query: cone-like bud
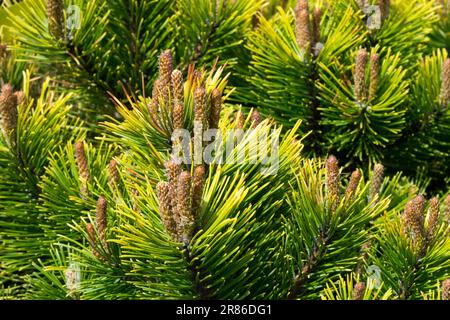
197,188
406,217
377,180
200,123
446,289
55,14
100,218
8,112
433,218
200,104
384,8
178,115
92,239
415,220
178,85
358,291
316,24
240,119
173,171
445,85
333,182
216,108
302,5
186,219
83,167
374,75
166,68
302,26
419,211
255,118
353,184
113,173
360,75
163,191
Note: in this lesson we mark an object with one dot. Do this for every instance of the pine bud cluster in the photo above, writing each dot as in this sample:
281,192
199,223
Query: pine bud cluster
413,224
180,200
360,88
167,107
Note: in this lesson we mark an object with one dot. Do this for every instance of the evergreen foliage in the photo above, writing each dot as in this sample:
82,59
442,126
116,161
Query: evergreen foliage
307,62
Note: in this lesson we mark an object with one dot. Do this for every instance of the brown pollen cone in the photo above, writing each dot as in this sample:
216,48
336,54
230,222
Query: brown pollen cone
166,68
302,5
83,167
55,14
415,220
353,184
178,85
173,171
374,75
316,24
186,220
377,180
255,118
197,188
163,192
100,218
200,104
302,27
360,75
240,118
358,291
178,115
333,182
433,218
